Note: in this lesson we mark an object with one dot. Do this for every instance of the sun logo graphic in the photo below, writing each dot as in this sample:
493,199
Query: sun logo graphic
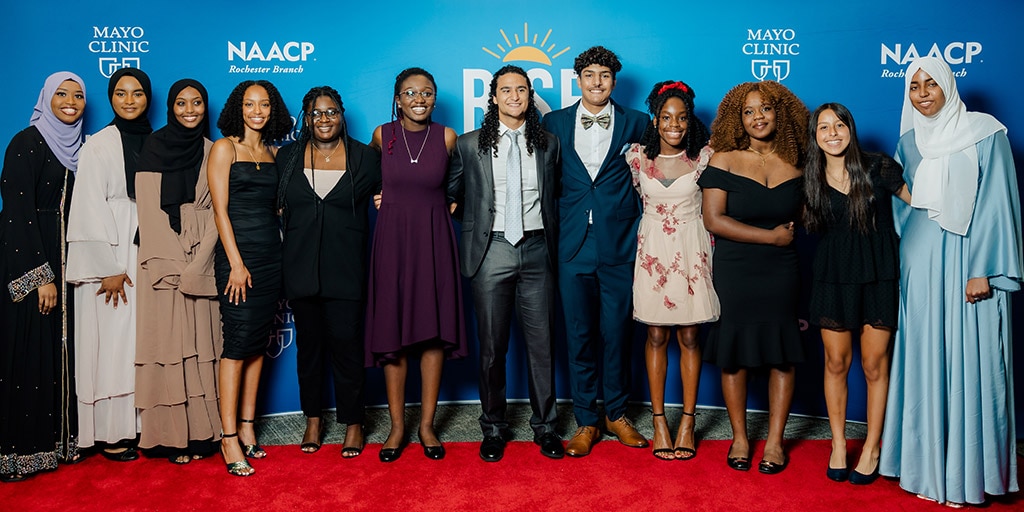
522,46
523,50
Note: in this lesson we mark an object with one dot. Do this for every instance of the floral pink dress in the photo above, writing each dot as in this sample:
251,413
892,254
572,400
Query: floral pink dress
672,278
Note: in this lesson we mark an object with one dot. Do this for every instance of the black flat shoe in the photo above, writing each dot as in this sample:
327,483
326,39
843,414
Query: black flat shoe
128,455
550,445
434,452
13,477
492,449
738,463
857,478
770,468
390,454
838,475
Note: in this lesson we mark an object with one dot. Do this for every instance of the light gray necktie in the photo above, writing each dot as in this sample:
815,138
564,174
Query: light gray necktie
513,191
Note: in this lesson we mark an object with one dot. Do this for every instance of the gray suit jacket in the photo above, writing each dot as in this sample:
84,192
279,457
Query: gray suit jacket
471,185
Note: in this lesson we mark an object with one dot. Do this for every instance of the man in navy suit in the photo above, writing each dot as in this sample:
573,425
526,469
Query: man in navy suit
504,179
598,215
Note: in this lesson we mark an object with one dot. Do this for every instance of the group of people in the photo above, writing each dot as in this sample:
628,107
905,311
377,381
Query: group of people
144,269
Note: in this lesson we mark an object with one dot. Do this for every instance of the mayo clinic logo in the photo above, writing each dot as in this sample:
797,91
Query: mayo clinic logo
527,46
257,58
767,44
957,54
118,47
283,334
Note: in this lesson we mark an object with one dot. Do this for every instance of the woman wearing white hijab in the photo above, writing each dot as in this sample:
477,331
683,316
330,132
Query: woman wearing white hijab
949,433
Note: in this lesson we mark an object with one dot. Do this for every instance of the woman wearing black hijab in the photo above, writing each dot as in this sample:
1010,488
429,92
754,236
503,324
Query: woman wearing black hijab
179,334
102,260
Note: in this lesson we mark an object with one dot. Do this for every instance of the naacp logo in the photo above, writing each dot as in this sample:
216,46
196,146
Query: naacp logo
958,54
118,47
257,58
771,42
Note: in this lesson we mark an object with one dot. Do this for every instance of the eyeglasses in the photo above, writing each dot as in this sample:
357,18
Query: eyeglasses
411,94
331,113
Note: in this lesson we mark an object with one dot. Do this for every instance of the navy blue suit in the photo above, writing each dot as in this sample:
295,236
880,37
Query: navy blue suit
595,263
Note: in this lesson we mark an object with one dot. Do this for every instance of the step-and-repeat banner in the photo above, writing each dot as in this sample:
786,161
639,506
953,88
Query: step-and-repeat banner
852,53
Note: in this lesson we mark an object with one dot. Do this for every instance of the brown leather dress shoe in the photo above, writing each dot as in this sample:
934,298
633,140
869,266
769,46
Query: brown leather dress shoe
581,441
624,430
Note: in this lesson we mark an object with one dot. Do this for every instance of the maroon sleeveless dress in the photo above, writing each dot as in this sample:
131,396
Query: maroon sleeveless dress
415,291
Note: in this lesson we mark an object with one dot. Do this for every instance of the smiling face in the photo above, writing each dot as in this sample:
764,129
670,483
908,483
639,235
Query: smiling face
832,134
671,123
512,96
255,107
596,84
68,102
925,94
416,98
758,117
129,100
324,119
189,107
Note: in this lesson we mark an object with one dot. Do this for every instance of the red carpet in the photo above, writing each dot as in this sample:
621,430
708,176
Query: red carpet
613,477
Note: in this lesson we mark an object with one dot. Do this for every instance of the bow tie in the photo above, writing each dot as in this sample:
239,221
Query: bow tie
603,120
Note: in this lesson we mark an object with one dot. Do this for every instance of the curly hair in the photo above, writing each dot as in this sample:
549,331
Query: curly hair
597,55
728,133
278,125
861,195
697,134
305,132
396,113
489,129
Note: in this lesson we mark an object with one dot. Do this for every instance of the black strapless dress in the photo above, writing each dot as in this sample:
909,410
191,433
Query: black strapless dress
253,213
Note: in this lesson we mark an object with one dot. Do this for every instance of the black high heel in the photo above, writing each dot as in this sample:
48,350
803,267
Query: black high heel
254,450
683,452
237,468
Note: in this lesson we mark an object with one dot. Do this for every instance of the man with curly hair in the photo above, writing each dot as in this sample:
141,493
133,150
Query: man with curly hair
599,211
504,179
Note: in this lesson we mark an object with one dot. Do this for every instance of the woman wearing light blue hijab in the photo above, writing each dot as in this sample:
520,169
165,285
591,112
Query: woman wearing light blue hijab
949,430
38,420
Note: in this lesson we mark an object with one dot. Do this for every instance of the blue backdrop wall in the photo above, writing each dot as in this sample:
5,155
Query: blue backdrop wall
852,53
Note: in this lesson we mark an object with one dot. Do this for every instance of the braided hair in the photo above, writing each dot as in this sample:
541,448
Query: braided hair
488,141
396,113
697,133
305,134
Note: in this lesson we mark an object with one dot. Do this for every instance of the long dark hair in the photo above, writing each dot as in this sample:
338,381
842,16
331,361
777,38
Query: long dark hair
488,141
697,134
278,124
295,161
818,210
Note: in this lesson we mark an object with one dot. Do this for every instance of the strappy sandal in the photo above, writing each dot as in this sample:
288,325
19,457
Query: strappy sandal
237,468
314,446
661,453
253,451
684,452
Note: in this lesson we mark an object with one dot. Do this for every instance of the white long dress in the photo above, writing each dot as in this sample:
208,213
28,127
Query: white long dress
101,231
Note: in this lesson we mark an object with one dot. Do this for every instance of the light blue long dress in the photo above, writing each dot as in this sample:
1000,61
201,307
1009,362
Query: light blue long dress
949,427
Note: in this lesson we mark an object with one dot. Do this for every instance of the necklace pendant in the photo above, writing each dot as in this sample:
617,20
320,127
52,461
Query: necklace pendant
327,159
414,160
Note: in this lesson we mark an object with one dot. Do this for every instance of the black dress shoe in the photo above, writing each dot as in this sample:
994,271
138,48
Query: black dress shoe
434,452
492,449
838,475
770,468
550,445
390,454
857,478
126,455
